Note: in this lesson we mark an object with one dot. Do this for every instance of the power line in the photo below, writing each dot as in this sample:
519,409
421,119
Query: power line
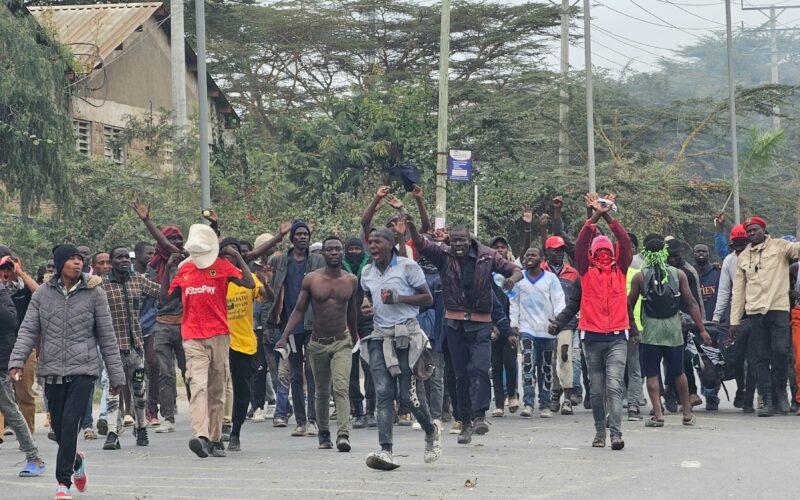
692,4
653,23
685,30
621,39
677,6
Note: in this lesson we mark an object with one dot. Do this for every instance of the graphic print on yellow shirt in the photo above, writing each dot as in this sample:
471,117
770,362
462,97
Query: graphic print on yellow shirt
240,316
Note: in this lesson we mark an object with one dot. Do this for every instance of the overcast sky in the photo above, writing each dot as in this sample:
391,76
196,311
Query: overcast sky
639,31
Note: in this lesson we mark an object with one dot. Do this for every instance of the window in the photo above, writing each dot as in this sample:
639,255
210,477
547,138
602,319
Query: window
113,148
83,136
167,156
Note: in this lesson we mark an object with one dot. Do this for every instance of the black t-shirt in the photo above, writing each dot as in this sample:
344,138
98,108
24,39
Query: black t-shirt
467,264
21,299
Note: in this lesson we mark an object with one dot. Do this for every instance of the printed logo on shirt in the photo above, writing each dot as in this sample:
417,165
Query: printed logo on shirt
200,290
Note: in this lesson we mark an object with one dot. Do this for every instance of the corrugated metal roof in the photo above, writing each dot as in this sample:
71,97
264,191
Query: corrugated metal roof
92,32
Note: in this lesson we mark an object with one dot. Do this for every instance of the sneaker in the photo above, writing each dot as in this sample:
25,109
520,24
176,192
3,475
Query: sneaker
382,460
405,420
617,443
279,422
633,414
433,444
102,426
456,428
33,468
416,426
325,443
359,422
498,412
371,422
62,493
226,432
217,450
343,443
545,413
738,399
141,437
269,412
311,429
526,412
88,434
465,436
112,442
234,444
258,416
127,421
576,396
299,431
199,446
513,405
566,407
153,421
165,427
79,476
554,406
712,405
480,426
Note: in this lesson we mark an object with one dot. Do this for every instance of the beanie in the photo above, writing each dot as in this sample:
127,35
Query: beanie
62,253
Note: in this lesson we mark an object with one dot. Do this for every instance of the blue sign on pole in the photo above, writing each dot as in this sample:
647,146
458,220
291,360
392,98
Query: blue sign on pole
459,165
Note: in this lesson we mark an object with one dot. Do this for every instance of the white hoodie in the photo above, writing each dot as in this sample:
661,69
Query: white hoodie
537,302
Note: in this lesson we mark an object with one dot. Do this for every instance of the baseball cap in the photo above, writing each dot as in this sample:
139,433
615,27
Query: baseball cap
555,242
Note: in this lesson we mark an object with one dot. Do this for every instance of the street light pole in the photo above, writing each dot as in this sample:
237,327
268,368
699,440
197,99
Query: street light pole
441,143
587,34
202,97
732,111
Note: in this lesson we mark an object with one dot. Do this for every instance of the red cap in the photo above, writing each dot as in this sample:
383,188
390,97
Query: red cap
555,242
738,232
754,220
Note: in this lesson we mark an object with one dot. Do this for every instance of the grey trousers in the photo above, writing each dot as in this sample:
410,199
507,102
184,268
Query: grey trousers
606,364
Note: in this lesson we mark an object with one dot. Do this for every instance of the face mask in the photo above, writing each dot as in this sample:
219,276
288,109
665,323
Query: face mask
603,260
354,259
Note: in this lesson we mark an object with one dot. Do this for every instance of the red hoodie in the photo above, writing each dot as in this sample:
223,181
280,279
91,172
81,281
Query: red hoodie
604,301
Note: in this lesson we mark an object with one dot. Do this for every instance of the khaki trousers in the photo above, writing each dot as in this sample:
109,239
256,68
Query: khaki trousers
206,365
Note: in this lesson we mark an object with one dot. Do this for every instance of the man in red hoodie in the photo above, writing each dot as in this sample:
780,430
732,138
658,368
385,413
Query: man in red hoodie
604,321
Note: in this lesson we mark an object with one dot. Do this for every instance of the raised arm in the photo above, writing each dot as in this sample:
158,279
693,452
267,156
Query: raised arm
369,213
246,280
143,211
720,244
424,216
527,220
424,247
268,245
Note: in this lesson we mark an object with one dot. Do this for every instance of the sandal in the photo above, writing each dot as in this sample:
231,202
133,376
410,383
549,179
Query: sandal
654,422
498,412
599,441
513,405
32,469
690,421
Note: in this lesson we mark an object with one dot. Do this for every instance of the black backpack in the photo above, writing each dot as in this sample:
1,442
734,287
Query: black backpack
660,300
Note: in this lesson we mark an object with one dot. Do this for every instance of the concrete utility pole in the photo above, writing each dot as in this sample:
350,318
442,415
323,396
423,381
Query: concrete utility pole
587,34
732,110
563,107
441,142
773,48
202,97
178,56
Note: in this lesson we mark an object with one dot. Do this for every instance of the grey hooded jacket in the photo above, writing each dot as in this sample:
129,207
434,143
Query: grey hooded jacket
70,328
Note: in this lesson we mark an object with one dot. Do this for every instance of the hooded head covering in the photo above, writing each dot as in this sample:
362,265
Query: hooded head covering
160,258
297,224
354,263
262,238
202,245
602,260
230,240
62,254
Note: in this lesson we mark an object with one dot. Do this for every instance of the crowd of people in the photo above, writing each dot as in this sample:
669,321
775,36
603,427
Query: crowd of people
399,325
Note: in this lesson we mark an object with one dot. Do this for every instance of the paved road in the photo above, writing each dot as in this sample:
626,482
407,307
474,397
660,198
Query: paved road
726,455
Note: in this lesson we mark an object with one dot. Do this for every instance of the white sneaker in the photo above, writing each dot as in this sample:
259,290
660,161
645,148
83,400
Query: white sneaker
545,413
258,416
526,412
269,411
416,426
166,426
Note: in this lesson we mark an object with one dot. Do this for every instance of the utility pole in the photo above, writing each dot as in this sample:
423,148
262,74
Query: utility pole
441,142
587,34
773,48
563,107
202,97
178,56
732,111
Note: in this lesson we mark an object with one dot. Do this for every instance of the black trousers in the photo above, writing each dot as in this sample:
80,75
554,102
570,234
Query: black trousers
241,370
504,357
450,386
67,404
356,398
258,380
770,342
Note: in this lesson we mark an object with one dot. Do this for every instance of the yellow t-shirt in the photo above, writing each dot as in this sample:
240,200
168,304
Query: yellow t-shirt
240,316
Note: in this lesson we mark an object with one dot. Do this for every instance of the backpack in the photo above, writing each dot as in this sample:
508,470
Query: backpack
660,300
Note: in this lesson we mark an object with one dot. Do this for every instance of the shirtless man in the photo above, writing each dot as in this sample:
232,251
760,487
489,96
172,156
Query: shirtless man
333,296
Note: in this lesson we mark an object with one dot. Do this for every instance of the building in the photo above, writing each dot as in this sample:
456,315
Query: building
121,68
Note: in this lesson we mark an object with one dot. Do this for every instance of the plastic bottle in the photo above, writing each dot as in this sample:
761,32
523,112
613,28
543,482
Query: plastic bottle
500,280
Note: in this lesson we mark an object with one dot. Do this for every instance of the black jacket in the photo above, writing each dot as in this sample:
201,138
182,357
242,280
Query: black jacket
8,328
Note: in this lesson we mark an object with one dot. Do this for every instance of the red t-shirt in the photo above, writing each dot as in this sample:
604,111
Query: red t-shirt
204,293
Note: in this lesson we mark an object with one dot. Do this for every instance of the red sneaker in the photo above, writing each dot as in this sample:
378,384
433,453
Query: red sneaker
79,477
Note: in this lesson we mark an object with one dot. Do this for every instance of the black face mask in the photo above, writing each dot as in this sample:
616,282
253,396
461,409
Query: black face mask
354,260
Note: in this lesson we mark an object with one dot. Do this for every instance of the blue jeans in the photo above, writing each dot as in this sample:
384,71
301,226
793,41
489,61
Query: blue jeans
385,386
606,364
282,392
537,359
576,360
104,394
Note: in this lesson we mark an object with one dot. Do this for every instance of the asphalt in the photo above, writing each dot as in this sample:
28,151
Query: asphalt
726,455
